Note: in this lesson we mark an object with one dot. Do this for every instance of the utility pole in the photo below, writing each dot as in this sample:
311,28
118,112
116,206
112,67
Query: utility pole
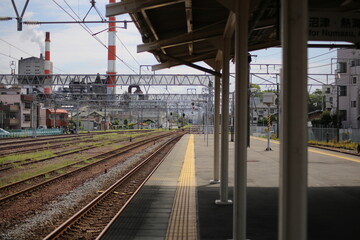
277,108
77,118
269,99
337,113
34,118
268,128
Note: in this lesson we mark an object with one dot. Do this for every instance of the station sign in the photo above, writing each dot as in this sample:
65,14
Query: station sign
331,26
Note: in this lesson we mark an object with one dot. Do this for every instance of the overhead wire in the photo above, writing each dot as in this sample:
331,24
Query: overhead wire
323,54
21,50
8,56
320,65
129,51
17,47
308,58
325,59
88,30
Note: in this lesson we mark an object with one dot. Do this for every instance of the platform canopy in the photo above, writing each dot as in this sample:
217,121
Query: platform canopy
181,32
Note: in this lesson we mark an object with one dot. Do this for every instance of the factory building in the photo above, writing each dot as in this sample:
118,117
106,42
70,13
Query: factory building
33,66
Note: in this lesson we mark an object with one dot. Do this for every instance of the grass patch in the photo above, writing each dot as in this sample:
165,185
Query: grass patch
344,144
23,156
33,172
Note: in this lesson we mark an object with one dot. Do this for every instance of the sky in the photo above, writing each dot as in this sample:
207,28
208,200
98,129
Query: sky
75,51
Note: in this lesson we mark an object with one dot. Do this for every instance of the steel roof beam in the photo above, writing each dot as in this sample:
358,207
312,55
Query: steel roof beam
189,22
190,64
172,63
195,36
131,6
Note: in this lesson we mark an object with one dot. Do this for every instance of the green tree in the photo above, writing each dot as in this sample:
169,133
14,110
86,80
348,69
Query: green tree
264,121
325,120
257,87
315,100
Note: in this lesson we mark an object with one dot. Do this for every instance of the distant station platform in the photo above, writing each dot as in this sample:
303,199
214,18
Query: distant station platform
178,201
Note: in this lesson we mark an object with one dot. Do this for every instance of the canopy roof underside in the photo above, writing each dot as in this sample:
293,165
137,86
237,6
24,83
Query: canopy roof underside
180,32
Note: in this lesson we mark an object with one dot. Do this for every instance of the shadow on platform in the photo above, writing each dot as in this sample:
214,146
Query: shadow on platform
333,213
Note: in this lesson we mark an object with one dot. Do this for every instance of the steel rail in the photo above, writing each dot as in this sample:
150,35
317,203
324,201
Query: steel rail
89,207
105,156
35,141
5,141
62,144
10,165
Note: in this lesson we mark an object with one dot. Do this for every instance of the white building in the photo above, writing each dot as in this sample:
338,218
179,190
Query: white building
329,98
347,80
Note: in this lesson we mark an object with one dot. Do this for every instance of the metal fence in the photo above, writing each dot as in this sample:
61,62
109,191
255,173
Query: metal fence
31,132
329,134
315,134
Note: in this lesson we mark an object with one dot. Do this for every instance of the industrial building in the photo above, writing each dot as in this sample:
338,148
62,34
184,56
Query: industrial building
33,66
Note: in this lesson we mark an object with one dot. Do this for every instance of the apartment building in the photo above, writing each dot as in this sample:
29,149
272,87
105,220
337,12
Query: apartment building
348,82
15,108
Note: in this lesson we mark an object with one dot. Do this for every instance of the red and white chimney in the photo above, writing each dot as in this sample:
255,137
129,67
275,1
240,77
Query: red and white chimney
47,65
111,68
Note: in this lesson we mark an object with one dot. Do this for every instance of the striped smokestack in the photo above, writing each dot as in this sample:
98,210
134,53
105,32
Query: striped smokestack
47,67
111,69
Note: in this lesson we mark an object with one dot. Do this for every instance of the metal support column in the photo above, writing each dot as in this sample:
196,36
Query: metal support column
241,119
77,118
216,126
34,118
293,132
224,150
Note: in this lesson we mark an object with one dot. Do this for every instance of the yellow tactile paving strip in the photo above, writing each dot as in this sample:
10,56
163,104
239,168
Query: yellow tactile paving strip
183,224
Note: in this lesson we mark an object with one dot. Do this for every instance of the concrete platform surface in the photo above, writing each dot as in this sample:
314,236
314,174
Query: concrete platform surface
333,196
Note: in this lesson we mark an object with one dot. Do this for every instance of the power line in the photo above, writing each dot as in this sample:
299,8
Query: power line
321,65
17,48
326,59
88,30
23,52
130,53
270,55
8,56
98,39
323,54
127,49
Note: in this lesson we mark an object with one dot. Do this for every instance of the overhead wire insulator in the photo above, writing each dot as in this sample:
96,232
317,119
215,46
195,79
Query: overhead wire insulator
31,22
5,18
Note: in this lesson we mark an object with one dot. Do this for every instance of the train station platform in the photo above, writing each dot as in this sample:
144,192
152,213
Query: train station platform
178,201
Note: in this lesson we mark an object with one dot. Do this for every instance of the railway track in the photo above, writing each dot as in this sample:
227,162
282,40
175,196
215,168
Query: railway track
50,177
95,216
10,165
4,143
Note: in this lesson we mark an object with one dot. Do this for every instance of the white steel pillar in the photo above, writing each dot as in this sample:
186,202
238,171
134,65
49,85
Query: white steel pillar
293,135
224,150
216,126
241,119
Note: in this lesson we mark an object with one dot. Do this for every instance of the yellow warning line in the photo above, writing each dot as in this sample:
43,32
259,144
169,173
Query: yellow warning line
182,224
334,155
318,152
